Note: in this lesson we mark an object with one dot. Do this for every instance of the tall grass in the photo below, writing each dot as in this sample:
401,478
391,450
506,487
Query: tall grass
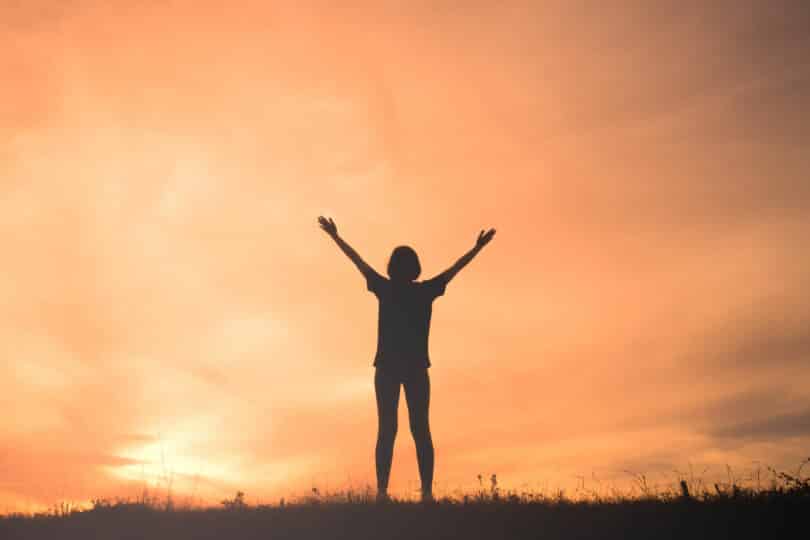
693,507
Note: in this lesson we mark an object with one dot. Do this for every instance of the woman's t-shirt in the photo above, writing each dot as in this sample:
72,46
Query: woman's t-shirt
403,324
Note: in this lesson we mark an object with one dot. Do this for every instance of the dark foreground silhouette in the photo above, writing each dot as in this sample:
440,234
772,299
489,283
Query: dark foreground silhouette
403,327
738,514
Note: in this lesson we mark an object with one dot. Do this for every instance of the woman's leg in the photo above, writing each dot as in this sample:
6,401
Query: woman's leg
417,394
386,388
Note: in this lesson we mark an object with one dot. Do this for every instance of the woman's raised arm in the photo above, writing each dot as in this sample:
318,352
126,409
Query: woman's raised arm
328,225
484,238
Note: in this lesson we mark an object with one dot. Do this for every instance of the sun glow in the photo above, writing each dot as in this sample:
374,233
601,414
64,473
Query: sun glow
177,455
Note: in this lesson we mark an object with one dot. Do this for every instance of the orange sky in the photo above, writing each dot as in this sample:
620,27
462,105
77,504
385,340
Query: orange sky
170,307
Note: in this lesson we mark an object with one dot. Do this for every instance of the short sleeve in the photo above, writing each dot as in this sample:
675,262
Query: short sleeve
434,287
375,282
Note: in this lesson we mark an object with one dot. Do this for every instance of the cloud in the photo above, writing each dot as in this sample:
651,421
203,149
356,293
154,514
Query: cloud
773,336
773,428
772,344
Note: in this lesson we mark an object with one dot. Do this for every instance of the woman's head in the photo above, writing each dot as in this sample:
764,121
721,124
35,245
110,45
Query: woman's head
404,264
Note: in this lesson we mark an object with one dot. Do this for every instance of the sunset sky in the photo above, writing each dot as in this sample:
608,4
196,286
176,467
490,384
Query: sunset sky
170,308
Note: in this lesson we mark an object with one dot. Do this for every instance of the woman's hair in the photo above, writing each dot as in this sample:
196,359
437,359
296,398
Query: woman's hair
404,264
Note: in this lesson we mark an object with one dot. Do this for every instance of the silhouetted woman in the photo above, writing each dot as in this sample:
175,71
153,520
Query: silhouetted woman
402,348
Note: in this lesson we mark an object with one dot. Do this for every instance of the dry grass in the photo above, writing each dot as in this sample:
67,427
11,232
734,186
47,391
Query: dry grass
691,508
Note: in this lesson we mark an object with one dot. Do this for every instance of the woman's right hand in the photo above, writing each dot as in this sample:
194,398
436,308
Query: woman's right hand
328,225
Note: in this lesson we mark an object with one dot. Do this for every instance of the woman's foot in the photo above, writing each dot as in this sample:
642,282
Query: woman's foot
427,497
382,497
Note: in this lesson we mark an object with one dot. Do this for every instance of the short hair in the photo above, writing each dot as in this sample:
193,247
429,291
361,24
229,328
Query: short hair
404,264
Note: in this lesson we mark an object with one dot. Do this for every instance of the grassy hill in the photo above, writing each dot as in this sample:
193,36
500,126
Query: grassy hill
724,513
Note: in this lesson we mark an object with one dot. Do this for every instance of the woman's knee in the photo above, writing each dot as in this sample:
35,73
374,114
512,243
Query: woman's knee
420,429
387,430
